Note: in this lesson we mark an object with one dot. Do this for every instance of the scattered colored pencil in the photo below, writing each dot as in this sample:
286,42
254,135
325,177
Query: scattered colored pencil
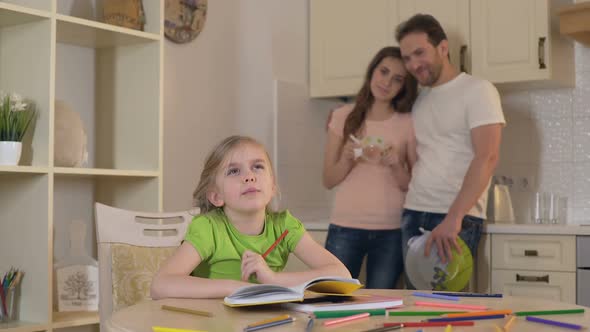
429,324
187,311
345,313
269,250
171,329
554,323
549,312
509,324
456,319
450,305
346,319
423,313
467,294
436,296
251,328
479,313
269,320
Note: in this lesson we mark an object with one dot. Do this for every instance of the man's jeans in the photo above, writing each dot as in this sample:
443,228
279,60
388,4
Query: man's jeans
412,220
382,247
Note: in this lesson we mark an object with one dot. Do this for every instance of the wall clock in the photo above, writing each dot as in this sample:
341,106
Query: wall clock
184,19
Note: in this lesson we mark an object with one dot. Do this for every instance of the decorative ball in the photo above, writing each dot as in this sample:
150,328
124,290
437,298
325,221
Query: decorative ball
430,273
70,137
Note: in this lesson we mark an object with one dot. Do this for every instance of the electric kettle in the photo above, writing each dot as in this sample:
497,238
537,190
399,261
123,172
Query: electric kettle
499,201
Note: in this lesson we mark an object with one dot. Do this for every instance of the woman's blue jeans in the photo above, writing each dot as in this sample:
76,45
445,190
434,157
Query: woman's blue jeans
383,249
470,233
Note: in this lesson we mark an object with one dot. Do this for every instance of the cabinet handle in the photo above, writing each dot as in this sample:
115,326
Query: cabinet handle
542,53
532,278
531,253
462,55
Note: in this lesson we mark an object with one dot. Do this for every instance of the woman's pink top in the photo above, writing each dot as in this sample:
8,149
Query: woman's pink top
369,197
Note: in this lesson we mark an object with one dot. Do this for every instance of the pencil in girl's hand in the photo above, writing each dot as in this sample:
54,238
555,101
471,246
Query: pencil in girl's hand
269,250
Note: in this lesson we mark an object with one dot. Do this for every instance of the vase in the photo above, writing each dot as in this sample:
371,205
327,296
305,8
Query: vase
10,153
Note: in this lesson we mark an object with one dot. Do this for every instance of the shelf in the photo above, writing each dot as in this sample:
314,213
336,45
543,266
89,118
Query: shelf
76,318
574,21
104,172
24,169
20,326
11,15
86,33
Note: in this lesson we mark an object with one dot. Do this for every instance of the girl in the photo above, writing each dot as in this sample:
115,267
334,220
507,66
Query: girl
222,248
368,204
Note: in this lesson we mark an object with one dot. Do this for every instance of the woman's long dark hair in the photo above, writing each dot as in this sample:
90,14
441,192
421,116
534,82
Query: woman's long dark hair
401,103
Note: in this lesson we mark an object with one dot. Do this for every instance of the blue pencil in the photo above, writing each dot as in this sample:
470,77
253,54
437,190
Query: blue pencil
468,294
436,296
456,319
554,323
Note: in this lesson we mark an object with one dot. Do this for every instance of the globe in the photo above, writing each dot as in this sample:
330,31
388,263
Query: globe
431,273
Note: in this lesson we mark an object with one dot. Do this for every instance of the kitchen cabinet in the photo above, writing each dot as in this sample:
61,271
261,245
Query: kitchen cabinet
542,266
503,41
344,36
519,41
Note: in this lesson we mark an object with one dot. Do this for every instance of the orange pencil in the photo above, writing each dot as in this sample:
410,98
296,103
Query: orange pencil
268,251
346,319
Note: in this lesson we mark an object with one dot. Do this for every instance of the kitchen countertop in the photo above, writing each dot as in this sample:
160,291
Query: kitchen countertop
322,225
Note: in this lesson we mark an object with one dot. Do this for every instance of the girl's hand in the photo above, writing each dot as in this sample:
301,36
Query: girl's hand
348,150
389,157
253,263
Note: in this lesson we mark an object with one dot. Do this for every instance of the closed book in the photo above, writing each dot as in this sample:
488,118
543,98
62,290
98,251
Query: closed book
267,294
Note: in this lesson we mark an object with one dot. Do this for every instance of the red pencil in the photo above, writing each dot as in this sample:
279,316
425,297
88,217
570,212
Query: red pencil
275,244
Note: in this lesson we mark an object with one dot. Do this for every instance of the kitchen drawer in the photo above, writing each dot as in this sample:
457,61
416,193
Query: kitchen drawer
583,248
583,287
534,252
555,286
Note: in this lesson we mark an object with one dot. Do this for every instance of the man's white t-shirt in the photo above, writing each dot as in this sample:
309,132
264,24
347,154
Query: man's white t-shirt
443,118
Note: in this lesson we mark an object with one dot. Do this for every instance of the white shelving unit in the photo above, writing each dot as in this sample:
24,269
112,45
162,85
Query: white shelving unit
112,76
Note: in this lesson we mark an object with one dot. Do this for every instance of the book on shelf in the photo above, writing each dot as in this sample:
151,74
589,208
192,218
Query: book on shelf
266,294
317,303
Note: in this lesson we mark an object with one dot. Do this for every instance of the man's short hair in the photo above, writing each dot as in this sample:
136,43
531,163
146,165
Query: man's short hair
422,23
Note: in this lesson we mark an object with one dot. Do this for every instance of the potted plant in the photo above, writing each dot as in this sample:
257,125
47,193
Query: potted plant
15,118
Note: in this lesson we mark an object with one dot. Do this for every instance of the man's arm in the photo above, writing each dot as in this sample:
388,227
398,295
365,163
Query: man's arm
486,147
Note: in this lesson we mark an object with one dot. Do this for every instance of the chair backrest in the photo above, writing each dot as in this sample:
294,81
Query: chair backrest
131,247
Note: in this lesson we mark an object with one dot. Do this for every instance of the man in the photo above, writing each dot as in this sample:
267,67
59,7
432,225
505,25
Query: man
458,122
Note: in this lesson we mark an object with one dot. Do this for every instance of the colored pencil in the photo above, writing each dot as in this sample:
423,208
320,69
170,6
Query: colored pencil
269,250
344,313
346,319
384,329
549,312
429,324
423,313
269,324
309,326
269,320
554,323
450,305
171,329
187,311
509,324
436,296
467,294
449,328
456,319
480,313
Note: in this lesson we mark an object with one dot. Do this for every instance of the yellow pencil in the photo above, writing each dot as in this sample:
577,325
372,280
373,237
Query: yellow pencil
187,311
449,328
509,323
171,329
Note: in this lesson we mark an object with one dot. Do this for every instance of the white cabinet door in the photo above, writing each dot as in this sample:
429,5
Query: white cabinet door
344,36
510,40
556,286
453,15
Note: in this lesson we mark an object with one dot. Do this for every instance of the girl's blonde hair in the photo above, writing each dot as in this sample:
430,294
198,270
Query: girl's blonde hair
213,164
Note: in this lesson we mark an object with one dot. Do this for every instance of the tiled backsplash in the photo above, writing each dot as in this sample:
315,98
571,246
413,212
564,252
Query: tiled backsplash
547,140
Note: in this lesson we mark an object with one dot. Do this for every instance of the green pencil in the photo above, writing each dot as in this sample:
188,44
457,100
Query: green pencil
549,312
423,313
344,313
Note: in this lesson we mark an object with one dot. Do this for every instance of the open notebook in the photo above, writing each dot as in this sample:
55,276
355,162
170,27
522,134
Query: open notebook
317,303
266,294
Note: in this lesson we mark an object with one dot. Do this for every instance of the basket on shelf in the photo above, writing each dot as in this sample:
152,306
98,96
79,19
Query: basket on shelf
124,13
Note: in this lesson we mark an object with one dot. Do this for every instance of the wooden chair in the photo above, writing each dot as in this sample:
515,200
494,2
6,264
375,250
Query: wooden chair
131,247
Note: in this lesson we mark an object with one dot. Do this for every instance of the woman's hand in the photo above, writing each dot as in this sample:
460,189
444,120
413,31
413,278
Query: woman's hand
253,263
348,150
390,157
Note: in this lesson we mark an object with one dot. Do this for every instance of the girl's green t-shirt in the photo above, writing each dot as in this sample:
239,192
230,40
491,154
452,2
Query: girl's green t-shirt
221,245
